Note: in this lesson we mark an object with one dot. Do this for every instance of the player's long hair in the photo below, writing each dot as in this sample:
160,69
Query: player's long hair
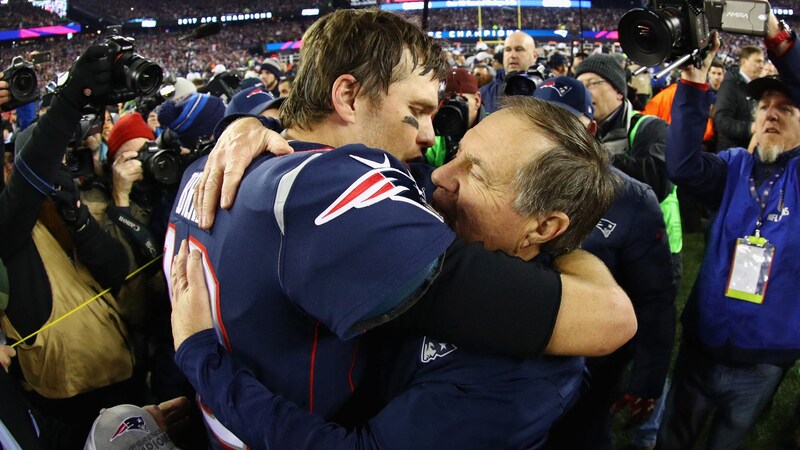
369,44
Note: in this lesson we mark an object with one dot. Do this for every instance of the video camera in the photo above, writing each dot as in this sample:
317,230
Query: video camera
22,83
525,82
681,29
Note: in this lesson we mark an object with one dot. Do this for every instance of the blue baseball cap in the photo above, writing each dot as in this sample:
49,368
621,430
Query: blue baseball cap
253,101
569,93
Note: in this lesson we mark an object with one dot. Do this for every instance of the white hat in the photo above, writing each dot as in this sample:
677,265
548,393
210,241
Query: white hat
183,87
127,427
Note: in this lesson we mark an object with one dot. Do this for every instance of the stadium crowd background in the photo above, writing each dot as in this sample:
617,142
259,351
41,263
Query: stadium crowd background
241,45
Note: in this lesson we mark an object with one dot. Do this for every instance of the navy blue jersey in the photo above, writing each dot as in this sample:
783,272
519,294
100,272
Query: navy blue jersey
320,246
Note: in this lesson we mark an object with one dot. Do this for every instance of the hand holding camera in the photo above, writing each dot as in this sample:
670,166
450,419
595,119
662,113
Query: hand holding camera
695,75
88,79
5,94
110,73
68,199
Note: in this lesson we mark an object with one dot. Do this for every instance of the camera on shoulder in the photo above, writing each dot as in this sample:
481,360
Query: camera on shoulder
22,83
674,29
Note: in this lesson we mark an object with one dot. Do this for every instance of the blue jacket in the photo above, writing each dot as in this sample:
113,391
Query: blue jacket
491,93
630,239
733,330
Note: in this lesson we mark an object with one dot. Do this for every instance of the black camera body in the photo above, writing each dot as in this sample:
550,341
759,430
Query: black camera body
22,83
162,165
133,75
145,105
452,118
526,82
162,161
675,28
222,84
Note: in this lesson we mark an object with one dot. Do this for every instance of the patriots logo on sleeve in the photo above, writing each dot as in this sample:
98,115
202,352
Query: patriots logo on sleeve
434,349
606,227
130,424
382,182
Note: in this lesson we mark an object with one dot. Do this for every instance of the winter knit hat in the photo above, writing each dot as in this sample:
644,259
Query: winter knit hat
192,118
272,66
130,126
607,67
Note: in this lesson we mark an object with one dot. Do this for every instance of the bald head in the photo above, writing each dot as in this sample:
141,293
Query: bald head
519,52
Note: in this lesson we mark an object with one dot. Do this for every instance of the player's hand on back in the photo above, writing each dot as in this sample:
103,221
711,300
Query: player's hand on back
235,149
191,305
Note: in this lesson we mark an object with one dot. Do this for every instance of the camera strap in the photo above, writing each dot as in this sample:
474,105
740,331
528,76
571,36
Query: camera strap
137,232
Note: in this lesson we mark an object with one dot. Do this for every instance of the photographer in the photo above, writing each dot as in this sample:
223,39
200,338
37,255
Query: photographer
461,110
57,257
739,338
519,53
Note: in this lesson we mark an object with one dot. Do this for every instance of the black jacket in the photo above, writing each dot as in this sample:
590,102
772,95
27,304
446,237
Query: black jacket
30,300
644,160
734,113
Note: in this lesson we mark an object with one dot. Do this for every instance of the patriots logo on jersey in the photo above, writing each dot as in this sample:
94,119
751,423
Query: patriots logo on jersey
130,424
433,349
382,182
606,227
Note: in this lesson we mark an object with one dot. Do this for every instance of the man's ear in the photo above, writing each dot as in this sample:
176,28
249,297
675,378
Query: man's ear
541,230
592,128
478,98
343,95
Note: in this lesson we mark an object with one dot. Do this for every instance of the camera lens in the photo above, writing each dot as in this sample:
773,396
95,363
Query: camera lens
451,121
23,84
164,167
141,76
144,77
648,36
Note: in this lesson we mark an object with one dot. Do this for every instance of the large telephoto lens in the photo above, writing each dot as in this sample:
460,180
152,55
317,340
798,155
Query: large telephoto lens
648,36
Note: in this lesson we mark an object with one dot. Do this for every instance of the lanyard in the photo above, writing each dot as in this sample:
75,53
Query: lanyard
764,197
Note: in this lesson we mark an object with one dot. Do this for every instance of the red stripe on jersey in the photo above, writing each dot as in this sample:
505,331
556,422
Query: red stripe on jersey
366,184
311,375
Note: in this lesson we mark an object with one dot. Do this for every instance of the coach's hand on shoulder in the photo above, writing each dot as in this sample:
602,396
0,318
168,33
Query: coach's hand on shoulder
191,307
235,149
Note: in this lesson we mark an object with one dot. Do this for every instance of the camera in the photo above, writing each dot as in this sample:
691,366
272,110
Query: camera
133,75
222,84
22,83
162,161
145,105
162,165
79,159
676,28
452,118
525,82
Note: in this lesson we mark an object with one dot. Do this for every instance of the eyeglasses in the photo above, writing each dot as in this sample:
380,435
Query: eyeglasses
593,83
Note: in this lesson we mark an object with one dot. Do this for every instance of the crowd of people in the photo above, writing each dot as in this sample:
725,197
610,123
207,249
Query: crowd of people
18,14
326,268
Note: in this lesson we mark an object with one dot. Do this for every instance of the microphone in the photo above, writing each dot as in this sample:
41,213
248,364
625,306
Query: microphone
205,30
